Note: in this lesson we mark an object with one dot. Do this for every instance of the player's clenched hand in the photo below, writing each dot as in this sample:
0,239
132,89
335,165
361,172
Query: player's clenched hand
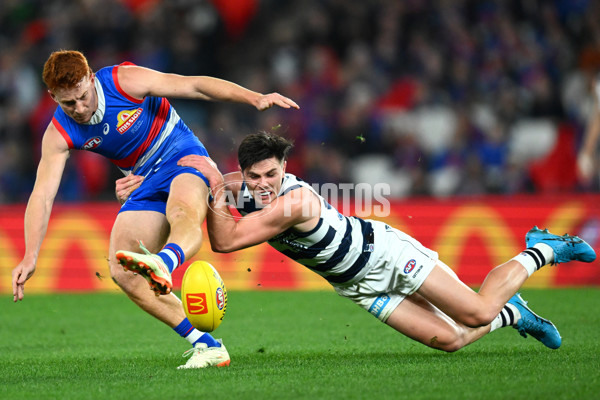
275,99
125,186
20,274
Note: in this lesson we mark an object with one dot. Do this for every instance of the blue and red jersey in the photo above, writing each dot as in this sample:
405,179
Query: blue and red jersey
134,134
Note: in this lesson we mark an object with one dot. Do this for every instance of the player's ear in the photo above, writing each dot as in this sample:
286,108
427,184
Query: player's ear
284,165
52,95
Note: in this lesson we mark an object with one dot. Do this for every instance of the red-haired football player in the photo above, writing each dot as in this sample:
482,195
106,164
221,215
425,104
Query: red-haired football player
122,113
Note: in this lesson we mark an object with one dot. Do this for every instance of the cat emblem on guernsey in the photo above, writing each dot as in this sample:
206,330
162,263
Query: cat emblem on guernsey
126,119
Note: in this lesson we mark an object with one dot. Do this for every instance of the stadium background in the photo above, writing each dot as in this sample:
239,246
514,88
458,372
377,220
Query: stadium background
473,112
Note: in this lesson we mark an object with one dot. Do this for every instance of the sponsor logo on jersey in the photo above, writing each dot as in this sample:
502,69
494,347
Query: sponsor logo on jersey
126,119
92,143
220,299
196,303
295,245
409,266
379,304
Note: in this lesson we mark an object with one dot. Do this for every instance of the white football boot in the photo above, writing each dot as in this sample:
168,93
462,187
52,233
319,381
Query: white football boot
148,265
203,356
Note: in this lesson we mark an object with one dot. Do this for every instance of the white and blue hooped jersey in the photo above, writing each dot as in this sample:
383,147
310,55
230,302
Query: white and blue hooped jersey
134,134
338,248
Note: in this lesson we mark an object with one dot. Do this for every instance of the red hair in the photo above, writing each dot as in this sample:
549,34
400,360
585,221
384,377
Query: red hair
64,69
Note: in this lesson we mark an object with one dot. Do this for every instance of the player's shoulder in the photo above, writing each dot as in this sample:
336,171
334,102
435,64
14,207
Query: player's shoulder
291,177
291,182
105,71
297,190
122,69
293,186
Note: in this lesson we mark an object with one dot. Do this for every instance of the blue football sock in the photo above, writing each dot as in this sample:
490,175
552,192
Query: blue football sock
172,255
193,335
208,339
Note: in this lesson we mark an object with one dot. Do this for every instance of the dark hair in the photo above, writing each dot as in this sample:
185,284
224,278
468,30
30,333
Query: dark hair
64,69
260,146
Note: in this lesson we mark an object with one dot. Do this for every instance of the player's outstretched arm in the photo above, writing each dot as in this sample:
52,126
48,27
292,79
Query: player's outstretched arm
140,82
290,210
228,234
55,153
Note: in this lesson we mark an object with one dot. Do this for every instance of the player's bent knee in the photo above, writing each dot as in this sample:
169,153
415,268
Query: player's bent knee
449,341
451,348
453,345
481,318
477,318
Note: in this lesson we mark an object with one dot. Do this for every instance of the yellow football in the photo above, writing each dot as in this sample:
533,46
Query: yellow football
204,296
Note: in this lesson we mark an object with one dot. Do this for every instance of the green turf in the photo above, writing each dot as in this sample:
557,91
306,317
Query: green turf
286,345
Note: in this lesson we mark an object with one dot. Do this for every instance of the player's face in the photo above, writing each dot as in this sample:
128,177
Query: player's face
264,179
79,102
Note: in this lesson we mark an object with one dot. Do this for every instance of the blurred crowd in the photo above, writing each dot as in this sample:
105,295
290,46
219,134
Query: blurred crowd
437,98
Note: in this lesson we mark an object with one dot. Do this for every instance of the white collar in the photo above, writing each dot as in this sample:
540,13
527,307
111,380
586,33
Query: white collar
99,113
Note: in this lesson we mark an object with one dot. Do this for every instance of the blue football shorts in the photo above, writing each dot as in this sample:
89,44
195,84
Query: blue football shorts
153,193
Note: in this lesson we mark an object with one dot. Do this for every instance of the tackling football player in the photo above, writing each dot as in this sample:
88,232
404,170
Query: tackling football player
383,270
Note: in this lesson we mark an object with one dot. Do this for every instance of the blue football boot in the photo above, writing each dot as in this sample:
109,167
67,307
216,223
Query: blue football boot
566,248
538,327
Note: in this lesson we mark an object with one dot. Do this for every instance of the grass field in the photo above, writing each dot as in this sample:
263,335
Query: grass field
286,345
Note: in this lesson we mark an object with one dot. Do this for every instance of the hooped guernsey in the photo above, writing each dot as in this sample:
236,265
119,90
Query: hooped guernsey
375,274
338,248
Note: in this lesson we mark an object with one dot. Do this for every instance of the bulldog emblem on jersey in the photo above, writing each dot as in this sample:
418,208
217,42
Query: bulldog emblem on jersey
126,119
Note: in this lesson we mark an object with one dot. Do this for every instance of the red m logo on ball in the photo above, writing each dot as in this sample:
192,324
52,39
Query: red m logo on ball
196,303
